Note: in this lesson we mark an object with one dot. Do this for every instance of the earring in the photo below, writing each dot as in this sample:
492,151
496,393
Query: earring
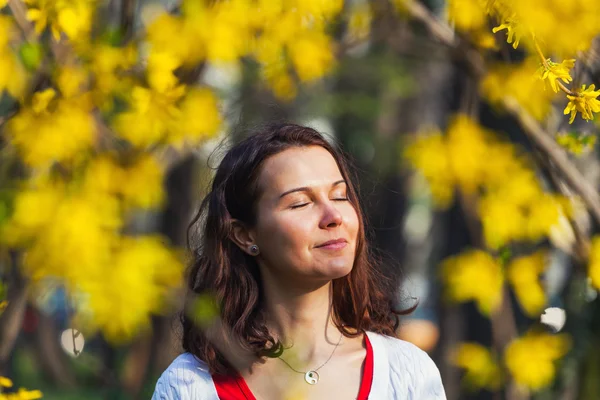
254,249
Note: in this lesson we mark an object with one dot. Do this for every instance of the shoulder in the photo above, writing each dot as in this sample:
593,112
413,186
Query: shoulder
185,379
412,367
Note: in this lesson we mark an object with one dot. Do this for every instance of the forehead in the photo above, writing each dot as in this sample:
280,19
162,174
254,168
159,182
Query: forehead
297,167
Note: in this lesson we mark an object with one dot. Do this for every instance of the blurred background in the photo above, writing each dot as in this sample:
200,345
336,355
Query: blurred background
470,123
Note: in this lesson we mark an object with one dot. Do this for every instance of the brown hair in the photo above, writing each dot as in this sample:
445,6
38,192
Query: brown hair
363,300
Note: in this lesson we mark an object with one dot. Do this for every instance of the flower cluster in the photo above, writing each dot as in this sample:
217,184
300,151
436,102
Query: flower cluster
530,360
21,394
531,23
511,202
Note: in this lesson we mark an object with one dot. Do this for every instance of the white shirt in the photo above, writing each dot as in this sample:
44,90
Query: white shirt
401,371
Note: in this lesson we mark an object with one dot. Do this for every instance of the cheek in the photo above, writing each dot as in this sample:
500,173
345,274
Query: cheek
351,220
286,233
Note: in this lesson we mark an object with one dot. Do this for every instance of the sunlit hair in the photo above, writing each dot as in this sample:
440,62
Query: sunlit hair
363,300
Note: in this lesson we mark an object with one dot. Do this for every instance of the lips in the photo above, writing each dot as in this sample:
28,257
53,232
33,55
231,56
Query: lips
333,244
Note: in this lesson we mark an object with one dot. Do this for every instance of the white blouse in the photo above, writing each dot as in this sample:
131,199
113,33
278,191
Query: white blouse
401,371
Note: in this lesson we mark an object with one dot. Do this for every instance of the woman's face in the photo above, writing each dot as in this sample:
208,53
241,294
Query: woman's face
306,226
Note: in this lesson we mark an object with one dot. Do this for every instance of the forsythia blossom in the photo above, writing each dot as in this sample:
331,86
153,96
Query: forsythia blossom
531,359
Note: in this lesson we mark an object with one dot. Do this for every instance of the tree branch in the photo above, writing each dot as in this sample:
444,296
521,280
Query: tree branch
548,146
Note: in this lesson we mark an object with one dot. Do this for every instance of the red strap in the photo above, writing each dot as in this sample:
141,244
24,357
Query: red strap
367,377
235,387
232,388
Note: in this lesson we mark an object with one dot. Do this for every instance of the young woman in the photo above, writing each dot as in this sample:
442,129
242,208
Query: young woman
302,311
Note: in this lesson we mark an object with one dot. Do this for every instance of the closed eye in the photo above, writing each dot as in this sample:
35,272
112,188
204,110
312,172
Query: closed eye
299,205
341,199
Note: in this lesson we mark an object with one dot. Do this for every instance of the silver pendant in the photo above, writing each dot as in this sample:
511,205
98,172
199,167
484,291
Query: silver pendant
311,377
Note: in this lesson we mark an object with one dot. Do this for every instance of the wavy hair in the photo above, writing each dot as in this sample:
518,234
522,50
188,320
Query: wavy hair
362,301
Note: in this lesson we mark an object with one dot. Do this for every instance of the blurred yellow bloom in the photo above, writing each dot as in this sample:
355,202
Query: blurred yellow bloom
143,183
150,117
312,55
72,80
139,184
594,262
519,82
575,142
474,275
52,130
526,19
468,146
555,71
502,221
584,101
428,154
12,74
5,382
189,49
73,17
199,119
481,366
142,272
524,275
22,394
467,15
531,358
359,21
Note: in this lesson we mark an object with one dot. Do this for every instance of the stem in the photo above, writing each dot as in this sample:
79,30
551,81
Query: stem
558,156
545,64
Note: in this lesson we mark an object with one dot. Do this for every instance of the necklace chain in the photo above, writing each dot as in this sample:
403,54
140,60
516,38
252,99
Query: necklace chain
322,365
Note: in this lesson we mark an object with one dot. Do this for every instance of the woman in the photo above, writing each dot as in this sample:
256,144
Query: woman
302,311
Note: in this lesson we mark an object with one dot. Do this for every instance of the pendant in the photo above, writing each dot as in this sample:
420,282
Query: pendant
311,377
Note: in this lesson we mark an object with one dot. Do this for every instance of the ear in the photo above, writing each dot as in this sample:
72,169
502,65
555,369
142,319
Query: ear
242,236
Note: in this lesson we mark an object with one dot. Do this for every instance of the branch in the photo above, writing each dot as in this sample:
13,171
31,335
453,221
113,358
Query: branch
445,34
557,155
552,150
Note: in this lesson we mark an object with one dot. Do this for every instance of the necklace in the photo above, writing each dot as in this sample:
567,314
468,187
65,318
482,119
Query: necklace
312,376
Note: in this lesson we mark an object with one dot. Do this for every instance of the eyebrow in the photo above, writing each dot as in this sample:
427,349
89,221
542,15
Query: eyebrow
306,188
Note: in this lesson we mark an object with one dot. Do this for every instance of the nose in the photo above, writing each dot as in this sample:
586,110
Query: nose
331,217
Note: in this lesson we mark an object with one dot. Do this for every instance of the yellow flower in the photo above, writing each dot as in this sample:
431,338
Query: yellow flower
73,17
142,272
513,33
52,130
144,187
139,184
467,15
531,358
5,382
554,71
523,273
199,119
481,367
594,262
519,82
312,55
584,101
12,73
502,221
576,143
151,116
467,148
474,275
359,22
429,155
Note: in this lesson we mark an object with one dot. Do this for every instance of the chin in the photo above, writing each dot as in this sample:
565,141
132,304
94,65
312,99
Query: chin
338,270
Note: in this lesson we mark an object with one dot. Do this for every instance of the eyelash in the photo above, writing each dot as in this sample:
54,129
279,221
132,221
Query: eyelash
305,204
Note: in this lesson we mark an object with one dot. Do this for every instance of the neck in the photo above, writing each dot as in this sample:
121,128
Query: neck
301,320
